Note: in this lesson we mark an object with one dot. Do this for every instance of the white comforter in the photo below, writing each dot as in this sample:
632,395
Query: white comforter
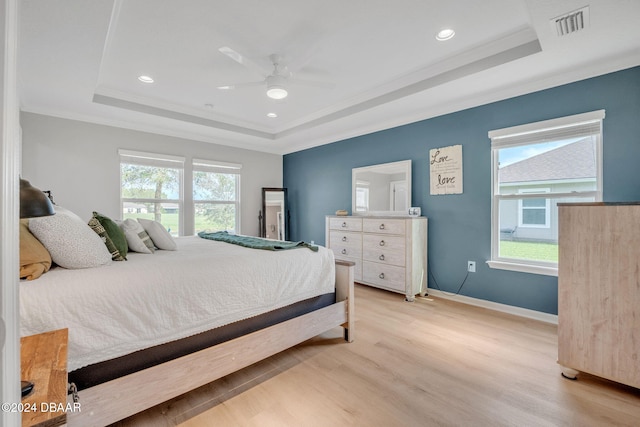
152,299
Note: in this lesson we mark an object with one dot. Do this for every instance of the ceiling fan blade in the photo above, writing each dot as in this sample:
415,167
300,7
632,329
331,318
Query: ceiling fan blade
244,60
314,83
299,62
240,85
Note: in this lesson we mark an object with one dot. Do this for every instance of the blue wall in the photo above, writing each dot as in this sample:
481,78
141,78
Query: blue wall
319,179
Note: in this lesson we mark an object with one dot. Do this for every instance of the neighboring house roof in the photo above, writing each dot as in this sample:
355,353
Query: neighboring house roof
553,165
135,205
132,205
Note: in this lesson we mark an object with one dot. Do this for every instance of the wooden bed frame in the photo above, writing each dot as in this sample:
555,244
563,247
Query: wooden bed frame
114,400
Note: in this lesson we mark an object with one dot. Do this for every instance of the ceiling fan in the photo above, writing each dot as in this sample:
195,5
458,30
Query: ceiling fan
276,80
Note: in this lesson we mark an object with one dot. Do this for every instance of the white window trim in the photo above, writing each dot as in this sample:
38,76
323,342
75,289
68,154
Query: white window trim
579,124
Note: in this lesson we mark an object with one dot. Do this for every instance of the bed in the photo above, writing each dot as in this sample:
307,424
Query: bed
148,329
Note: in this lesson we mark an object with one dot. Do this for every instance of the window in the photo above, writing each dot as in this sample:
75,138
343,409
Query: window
151,188
535,167
216,195
534,212
362,196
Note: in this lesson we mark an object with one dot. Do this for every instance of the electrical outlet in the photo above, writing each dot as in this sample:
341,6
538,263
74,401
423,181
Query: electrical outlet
471,266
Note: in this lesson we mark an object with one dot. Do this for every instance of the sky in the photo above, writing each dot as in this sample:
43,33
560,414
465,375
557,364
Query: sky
512,155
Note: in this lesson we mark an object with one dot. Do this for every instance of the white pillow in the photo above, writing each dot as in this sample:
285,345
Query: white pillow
70,241
160,236
137,239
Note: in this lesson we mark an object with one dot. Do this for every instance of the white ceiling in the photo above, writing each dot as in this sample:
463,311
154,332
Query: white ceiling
381,63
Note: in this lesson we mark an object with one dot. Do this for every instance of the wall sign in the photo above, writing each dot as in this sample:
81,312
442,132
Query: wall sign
445,170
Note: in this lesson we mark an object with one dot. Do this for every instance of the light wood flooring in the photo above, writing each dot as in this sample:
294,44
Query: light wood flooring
433,362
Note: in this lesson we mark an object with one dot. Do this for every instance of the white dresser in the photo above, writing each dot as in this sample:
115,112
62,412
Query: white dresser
389,252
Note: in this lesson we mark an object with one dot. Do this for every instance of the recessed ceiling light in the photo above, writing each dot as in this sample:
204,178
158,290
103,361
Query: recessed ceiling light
445,34
145,79
272,115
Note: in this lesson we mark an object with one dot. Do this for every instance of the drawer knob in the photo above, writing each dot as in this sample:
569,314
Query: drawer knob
381,242
381,275
344,238
381,226
344,252
344,225
381,257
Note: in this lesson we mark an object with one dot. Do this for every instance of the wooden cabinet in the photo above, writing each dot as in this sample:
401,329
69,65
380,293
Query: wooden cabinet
599,291
388,252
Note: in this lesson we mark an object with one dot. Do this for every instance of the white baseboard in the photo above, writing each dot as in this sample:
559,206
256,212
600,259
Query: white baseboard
518,311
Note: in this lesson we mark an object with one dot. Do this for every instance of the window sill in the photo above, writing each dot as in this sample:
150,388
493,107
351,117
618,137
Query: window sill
523,268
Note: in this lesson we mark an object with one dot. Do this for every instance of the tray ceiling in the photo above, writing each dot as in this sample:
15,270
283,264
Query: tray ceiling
374,64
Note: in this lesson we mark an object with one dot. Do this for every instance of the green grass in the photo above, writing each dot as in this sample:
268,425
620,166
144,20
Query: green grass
529,250
170,221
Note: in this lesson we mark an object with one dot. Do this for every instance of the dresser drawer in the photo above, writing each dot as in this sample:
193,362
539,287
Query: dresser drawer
345,238
384,249
386,276
345,224
344,251
383,225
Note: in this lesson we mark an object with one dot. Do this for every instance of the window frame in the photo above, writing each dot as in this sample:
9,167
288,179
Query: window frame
585,124
227,168
141,158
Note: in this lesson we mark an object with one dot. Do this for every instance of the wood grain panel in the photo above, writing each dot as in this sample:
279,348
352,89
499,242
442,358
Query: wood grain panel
383,225
384,249
43,359
386,276
345,223
599,290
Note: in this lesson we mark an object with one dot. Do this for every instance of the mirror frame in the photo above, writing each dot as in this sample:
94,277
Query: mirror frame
403,166
285,211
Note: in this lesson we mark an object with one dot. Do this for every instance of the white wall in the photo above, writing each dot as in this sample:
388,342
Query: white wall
79,163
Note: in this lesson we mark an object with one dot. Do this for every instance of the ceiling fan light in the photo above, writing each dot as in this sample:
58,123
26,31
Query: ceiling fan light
445,34
277,92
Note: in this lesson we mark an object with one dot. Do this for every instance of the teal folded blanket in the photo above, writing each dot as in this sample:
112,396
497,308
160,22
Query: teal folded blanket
255,242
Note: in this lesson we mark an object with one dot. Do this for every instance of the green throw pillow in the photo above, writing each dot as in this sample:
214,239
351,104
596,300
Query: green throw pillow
115,233
111,247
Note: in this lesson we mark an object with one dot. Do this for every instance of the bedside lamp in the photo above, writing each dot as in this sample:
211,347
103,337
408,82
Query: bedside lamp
33,203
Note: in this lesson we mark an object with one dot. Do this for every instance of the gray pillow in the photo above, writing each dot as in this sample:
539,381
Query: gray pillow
69,240
137,239
160,236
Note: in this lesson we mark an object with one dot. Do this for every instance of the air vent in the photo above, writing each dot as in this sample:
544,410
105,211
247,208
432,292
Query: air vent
571,22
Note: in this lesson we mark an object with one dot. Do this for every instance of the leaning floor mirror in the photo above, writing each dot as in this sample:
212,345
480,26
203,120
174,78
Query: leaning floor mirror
275,214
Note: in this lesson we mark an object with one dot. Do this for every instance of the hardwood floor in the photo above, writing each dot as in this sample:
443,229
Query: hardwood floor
433,362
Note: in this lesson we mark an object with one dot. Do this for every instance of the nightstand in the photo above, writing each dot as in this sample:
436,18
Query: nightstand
43,359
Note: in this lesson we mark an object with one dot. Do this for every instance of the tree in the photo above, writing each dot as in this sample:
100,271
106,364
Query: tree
214,187
149,182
